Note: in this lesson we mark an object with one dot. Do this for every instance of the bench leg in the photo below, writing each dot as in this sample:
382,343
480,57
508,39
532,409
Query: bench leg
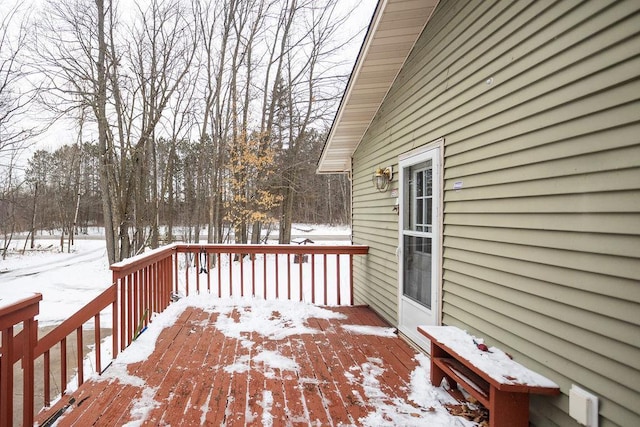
508,409
438,374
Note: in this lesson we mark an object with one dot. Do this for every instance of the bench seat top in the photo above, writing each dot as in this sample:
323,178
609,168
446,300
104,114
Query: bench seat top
494,365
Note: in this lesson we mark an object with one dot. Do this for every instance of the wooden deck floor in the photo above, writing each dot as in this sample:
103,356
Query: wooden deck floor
195,376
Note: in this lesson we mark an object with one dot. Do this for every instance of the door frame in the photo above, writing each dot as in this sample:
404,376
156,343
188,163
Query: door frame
433,150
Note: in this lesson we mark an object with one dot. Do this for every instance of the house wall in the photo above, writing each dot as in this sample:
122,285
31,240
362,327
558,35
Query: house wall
539,107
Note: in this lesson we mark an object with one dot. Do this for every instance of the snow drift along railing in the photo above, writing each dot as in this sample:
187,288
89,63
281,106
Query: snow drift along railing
145,284
319,274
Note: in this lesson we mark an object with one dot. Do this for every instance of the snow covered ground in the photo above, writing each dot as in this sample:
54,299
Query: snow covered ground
68,281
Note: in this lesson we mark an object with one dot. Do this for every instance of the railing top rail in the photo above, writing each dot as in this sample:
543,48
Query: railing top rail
139,261
274,249
14,310
108,296
122,268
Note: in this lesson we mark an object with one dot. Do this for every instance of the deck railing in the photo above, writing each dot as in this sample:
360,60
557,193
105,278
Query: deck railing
17,347
146,284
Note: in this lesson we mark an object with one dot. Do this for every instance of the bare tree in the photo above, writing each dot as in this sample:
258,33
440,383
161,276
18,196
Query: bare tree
164,47
306,88
15,94
125,75
180,93
16,132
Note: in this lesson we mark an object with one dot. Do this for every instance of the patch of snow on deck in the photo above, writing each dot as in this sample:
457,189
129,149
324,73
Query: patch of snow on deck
272,319
267,404
426,409
118,372
142,406
379,331
205,408
275,360
242,365
422,392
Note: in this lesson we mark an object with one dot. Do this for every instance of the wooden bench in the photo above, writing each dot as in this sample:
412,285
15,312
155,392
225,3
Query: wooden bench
499,383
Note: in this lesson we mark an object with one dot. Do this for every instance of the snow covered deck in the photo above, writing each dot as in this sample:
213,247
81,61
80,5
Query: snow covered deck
253,362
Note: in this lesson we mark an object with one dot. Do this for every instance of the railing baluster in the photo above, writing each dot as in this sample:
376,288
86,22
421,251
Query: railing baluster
130,320
80,355
301,259
230,274
114,326
326,283
197,261
277,273
186,272
63,365
351,279
313,279
253,275
338,278
157,297
175,273
264,275
164,286
138,278
98,344
123,314
289,276
219,257
30,334
241,261
46,380
165,277
208,272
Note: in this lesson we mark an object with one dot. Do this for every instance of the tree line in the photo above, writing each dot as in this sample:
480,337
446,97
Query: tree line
203,116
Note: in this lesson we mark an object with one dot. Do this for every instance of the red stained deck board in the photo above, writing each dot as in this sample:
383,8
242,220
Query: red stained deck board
191,386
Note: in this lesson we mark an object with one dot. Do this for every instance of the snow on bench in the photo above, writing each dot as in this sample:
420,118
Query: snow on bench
488,374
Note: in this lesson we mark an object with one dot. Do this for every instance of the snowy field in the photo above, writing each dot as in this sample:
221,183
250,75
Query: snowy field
68,281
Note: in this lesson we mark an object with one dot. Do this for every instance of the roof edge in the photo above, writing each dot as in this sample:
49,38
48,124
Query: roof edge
379,13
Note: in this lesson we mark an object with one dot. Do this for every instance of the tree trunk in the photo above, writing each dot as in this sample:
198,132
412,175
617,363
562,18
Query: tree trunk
101,107
286,217
33,217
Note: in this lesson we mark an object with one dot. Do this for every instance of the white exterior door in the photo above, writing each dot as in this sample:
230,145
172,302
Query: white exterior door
419,290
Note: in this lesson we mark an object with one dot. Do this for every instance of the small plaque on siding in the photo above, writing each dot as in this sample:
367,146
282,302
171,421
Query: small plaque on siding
394,192
457,185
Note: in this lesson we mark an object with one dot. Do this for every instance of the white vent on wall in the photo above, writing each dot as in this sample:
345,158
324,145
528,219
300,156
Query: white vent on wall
583,406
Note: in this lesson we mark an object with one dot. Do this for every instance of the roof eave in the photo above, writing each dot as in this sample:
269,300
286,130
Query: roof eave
396,24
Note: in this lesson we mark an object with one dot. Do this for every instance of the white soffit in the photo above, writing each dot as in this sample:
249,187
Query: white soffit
394,29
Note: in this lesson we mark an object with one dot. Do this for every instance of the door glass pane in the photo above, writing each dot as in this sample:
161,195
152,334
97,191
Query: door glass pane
417,269
417,197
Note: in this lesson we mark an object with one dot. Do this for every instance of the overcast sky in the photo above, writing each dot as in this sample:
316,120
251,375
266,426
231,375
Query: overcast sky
65,131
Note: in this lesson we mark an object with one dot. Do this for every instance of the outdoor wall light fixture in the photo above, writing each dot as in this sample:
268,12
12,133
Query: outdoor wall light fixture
382,178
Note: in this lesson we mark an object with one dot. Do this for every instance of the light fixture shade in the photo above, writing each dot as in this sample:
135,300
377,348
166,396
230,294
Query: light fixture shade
382,178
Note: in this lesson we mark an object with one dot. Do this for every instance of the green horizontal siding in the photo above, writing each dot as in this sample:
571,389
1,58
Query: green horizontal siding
538,103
